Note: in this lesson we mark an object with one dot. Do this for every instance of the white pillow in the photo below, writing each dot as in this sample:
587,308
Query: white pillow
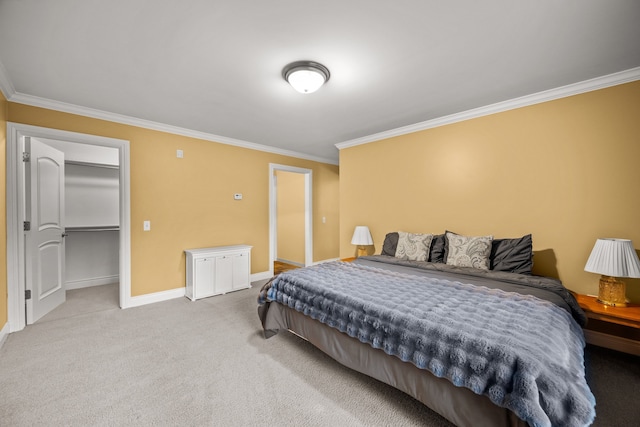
413,247
466,251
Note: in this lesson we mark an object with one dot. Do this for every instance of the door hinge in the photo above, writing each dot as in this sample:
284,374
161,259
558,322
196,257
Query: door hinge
26,226
26,157
27,294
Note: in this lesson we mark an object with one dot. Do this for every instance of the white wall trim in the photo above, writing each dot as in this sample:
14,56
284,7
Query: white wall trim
4,333
15,213
597,83
273,213
5,83
523,101
141,300
88,283
287,261
156,297
261,276
10,93
64,107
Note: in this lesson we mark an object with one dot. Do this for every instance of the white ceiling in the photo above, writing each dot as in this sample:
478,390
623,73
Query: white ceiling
214,66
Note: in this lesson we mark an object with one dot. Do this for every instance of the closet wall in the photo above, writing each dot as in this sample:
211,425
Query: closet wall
91,214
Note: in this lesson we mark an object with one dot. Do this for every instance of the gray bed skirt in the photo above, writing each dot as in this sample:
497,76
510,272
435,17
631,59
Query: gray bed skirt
457,404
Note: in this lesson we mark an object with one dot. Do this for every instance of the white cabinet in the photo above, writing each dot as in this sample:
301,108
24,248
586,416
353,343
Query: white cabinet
215,271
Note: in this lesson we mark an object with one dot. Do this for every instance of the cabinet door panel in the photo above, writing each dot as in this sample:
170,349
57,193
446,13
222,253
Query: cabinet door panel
241,271
224,274
204,276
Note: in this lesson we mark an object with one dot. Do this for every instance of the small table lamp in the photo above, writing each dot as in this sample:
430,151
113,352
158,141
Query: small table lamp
362,238
613,258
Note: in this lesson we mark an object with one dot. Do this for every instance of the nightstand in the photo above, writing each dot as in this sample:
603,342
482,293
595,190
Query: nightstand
617,328
350,259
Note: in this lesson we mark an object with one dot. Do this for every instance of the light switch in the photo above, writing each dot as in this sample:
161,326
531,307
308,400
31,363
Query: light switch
179,154
324,219
237,196
146,226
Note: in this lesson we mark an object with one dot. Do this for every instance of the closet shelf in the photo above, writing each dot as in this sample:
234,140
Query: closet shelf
93,228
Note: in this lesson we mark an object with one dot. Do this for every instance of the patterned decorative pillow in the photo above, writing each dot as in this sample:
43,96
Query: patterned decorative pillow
465,251
413,247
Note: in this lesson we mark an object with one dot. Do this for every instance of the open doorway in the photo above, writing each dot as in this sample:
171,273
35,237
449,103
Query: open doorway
18,136
303,229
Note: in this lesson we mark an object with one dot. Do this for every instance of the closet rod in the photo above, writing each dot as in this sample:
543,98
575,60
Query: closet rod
95,165
95,228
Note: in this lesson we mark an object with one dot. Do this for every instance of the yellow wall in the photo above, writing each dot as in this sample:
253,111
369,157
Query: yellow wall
566,171
4,106
290,204
190,201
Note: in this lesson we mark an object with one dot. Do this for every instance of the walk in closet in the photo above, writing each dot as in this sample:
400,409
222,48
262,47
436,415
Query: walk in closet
91,214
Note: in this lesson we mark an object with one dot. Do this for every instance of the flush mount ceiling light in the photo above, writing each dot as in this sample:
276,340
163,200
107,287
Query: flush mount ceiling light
306,76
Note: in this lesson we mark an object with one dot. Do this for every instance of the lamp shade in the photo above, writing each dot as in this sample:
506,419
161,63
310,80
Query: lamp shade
615,258
361,236
306,81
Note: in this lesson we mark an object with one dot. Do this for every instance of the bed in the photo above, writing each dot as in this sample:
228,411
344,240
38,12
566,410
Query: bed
457,322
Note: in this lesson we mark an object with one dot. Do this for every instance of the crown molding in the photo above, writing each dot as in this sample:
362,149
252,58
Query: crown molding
64,107
597,83
7,88
602,82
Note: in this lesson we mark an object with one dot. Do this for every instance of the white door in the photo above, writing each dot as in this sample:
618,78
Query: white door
44,242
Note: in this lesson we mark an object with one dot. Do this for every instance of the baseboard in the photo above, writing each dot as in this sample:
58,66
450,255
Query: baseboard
286,261
94,281
155,297
4,333
261,276
176,293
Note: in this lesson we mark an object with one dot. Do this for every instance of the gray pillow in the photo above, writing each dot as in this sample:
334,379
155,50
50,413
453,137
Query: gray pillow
390,244
468,251
438,244
512,255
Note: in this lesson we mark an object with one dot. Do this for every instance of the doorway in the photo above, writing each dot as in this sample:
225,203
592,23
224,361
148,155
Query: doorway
16,259
273,213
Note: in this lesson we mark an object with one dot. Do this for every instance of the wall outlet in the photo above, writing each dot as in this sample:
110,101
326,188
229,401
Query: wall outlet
146,226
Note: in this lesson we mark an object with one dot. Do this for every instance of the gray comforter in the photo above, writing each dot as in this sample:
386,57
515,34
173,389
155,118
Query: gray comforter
524,353
546,288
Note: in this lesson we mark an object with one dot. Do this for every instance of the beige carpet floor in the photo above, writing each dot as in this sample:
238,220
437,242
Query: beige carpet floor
84,301
183,363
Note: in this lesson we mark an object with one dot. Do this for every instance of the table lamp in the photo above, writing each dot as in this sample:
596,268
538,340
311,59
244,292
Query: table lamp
362,238
613,258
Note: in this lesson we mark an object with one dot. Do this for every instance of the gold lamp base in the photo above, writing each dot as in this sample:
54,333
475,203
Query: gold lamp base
612,292
362,250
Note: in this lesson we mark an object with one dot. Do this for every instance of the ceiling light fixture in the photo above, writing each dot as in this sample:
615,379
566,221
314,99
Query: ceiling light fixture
306,76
